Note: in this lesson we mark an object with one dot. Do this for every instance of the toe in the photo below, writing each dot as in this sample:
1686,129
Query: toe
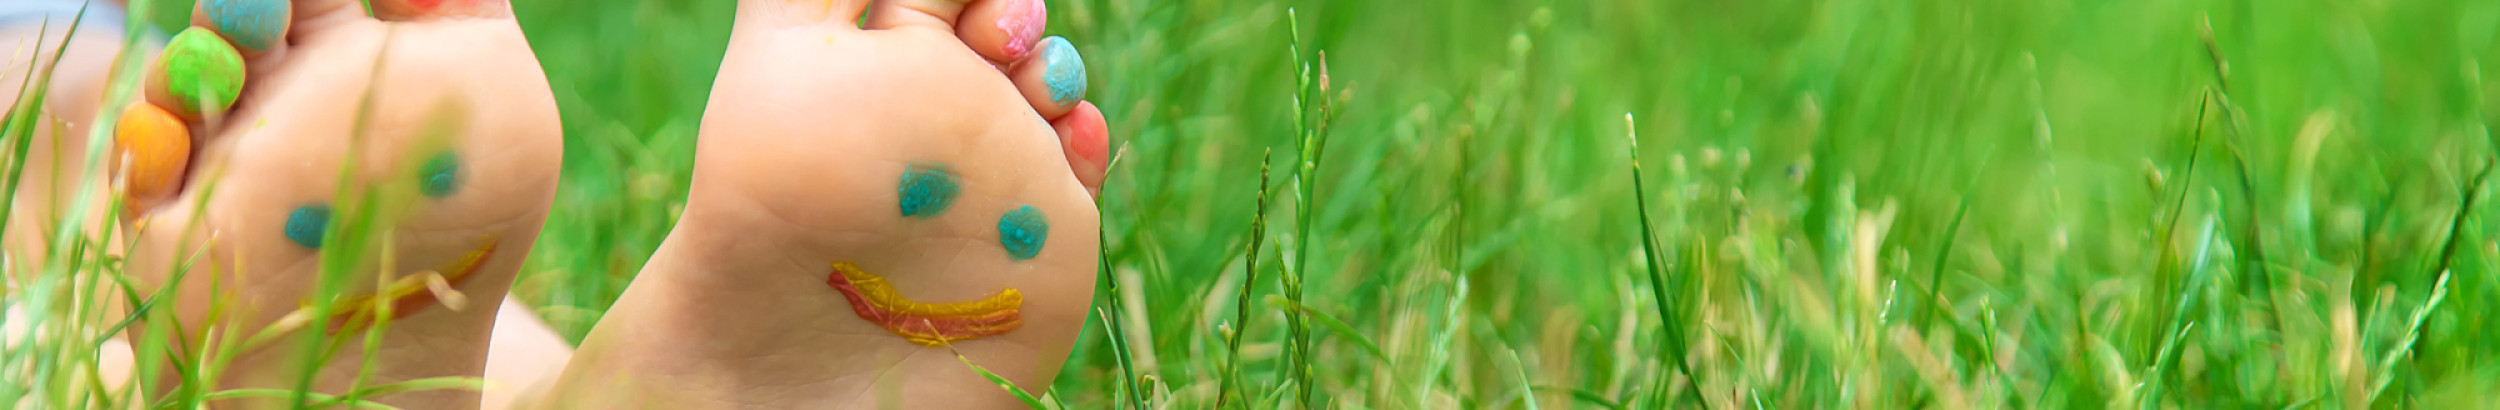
420,10
1086,139
201,72
199,75
260,29
254,26
153,152
1003,31
1053,79
931,14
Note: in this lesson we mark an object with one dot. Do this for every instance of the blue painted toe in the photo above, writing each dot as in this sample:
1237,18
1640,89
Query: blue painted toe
1065,73
250,24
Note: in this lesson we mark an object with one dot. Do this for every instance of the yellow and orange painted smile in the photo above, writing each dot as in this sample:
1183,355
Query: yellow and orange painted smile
927,324
410,296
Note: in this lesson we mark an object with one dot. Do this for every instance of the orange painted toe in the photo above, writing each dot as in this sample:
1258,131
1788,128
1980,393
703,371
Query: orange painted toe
153,150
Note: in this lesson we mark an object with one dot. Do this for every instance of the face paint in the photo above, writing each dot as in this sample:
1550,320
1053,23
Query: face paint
201,72
1065,73
251,24
410,295
927,324
1024,20
306,223
439,176
1022,232
155,150
927,190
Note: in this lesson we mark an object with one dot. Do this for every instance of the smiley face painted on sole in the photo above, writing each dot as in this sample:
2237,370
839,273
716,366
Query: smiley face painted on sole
926,191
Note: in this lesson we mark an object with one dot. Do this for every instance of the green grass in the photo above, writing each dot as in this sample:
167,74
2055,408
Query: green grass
1859,204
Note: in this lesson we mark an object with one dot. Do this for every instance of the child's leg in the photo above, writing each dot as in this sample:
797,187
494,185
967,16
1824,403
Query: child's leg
435,120
867,203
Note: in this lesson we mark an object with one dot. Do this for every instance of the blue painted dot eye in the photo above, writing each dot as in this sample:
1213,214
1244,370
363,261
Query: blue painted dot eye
1022,232
305,225
927,190
439,176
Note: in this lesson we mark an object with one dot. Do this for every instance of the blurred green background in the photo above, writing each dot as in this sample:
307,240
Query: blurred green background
1867,204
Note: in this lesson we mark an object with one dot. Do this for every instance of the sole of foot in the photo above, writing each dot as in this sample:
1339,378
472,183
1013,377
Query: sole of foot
869,202
279,147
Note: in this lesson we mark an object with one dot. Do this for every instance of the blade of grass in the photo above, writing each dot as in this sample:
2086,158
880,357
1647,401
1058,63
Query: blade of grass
1527,390
1002,382
1673,336
22,118
2254,262
406,386
1225,385
285,393
1584,396
346,243
2153,382
2178,207
2439,291
1332,324
1313,143
1944,249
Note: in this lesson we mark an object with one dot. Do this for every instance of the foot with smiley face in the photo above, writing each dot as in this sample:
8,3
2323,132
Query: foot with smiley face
868,202
273,141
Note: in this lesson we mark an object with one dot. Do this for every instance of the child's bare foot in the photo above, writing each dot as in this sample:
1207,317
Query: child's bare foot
454,152
867,202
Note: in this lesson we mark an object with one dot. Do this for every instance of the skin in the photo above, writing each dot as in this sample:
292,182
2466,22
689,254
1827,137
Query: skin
809,130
